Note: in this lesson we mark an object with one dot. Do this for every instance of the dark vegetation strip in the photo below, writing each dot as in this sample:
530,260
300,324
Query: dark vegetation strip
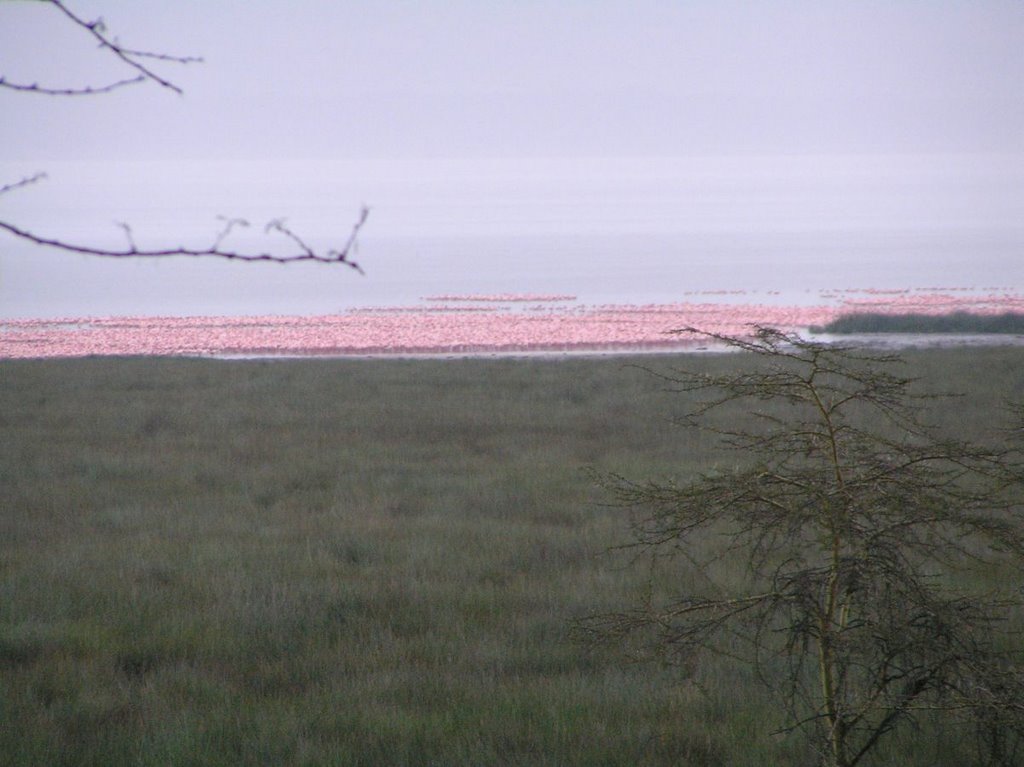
955,322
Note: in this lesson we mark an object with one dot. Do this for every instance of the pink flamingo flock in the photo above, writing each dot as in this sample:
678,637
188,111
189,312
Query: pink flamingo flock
499,324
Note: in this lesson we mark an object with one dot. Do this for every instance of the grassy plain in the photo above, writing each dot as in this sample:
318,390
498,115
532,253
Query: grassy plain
360,562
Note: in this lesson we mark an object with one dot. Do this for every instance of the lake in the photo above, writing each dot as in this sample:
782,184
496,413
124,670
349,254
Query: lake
780,229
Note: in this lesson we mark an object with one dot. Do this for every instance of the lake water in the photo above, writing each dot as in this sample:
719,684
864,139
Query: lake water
767,229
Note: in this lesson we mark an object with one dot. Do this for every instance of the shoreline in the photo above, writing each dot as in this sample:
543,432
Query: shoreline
880,341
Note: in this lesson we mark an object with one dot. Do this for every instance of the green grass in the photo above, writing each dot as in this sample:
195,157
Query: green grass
359,563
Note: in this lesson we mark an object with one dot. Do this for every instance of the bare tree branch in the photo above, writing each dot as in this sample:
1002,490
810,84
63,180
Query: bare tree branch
306,253
27,181
129,57
134,58
88,90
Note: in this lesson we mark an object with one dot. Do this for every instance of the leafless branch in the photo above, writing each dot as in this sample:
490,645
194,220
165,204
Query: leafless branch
216,250
229,224
137,60
88,90
128,56
127,233
27,181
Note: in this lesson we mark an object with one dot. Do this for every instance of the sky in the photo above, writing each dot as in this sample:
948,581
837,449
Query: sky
515,146
337,79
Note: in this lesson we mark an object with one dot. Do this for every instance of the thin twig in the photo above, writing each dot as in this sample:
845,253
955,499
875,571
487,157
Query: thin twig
88,90
27,181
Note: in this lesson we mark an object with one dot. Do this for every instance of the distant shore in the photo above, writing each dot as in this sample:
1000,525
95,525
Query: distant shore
958,322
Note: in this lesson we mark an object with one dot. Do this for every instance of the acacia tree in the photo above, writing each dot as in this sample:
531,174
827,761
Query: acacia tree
847,525
141,67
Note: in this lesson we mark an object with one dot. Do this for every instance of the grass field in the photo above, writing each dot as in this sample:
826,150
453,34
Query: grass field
360,563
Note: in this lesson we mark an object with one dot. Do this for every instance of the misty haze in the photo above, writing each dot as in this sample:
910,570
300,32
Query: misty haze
623,153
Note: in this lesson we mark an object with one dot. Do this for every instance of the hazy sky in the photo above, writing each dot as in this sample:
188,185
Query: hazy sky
633,118
381,78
